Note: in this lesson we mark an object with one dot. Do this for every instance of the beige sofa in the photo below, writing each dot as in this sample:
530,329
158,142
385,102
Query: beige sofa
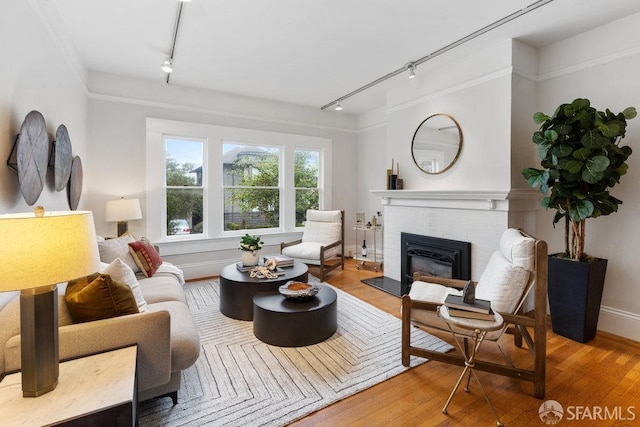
166,334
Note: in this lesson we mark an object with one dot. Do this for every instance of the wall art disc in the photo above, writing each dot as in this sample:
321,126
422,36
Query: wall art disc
75,183
62,158
32,156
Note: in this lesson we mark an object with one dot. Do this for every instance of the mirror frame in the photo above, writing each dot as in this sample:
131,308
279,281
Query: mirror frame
459,144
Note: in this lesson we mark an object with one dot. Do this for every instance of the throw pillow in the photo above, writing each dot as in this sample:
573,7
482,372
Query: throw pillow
97,297
112,249
146,257
122,273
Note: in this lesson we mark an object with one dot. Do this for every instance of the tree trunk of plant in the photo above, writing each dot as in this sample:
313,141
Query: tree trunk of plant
566,236
577,239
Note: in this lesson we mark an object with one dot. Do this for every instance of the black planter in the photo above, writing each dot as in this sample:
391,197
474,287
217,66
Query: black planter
575,293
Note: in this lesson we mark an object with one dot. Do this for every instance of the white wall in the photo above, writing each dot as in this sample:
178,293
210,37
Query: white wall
118,110
603,65
35,76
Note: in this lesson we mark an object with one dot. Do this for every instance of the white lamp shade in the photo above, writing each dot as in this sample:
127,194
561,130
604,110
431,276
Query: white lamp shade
122,210
39,251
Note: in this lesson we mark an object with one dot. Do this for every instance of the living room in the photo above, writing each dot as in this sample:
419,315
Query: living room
491,86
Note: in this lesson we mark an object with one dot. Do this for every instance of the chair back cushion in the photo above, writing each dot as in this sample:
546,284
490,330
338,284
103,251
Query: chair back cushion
502,283
323,227
518,249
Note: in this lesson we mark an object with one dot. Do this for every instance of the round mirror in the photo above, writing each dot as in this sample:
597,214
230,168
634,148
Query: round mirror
437,143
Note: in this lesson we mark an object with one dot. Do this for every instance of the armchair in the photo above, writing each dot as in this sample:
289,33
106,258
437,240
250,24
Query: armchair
516,268
322,242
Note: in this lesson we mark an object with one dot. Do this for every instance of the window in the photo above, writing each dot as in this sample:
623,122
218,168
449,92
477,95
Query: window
251,178
224,181
183,185
306,181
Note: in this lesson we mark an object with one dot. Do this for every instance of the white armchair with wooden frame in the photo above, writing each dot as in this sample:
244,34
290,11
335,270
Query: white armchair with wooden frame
518,267
322,241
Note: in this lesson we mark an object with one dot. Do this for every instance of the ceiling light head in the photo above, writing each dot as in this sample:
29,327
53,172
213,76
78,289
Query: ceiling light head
339,106
167,65
412,70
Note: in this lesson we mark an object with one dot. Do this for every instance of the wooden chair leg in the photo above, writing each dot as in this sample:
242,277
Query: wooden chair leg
406,330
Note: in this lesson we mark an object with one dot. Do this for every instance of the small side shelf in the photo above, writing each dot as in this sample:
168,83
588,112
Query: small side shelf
373,234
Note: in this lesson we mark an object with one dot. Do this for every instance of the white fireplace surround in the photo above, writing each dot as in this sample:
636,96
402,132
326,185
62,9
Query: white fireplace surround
478,217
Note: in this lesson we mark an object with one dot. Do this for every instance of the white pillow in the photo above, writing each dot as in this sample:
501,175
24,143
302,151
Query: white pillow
111,249
120,272
502,283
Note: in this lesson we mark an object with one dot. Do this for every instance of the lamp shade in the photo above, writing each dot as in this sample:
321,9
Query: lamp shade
38,251
122,210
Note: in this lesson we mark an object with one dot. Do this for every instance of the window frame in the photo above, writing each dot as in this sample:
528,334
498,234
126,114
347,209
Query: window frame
214,137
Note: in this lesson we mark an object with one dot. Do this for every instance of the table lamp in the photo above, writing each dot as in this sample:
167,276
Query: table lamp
122,210
38,251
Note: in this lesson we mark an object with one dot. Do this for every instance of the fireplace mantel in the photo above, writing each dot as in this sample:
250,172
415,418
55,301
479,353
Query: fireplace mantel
501,200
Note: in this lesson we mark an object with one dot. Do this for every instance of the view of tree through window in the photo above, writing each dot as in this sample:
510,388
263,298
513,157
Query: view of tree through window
251,177
306,178
184,190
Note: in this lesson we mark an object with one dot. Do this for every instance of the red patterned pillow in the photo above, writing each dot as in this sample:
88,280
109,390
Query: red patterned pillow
146,257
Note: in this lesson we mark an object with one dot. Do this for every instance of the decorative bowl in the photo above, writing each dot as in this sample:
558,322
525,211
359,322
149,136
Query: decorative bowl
298,290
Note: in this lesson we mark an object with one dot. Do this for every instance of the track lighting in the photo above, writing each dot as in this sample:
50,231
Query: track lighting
167,65
411,66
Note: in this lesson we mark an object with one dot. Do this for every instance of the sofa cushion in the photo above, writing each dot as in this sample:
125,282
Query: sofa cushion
111,249
122,273
145,256
97,297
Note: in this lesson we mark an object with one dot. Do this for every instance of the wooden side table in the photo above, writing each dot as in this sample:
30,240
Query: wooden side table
479,329
93,390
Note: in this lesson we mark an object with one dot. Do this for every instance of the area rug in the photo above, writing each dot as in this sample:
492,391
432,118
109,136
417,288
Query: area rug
240,381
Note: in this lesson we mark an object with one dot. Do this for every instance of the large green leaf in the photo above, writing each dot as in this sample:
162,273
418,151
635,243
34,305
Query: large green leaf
580,210
629,113
610,129
563,129
540,118
573,166
594,139
543,149
550,135
592,177
562,150
538,137
598,163
582,154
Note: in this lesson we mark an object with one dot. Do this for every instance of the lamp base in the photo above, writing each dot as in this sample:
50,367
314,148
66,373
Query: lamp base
39,340
122,227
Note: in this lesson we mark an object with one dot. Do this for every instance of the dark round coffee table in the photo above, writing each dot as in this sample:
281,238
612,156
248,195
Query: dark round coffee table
237,288
291,323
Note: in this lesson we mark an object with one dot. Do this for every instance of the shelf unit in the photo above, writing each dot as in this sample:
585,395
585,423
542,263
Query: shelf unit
373,234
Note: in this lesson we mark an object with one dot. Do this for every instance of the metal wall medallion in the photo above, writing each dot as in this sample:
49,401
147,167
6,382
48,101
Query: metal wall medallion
32,156
75,183
62,158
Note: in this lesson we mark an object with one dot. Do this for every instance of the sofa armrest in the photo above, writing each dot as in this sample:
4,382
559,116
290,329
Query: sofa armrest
150,331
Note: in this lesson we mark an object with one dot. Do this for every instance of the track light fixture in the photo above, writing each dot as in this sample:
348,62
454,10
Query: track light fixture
167,65
412,70
411,66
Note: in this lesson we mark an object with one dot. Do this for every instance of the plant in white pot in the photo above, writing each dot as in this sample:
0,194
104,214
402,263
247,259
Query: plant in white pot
250,245
582,159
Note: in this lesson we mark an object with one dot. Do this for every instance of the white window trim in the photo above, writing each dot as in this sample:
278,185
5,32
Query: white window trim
214,136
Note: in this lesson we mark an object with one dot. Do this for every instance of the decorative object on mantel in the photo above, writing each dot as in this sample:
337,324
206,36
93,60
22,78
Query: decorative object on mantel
74,189
62,158
581,160
32,158
250,245
392,176
436,144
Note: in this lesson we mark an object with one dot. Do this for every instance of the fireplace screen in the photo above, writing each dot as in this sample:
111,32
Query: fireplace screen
433,256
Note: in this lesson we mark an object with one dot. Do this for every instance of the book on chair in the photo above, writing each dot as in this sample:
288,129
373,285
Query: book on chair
479,305
466,314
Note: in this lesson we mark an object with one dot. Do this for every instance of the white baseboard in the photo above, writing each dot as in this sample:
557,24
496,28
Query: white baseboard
619,322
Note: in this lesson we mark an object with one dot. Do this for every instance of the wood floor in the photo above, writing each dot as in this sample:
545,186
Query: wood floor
597,383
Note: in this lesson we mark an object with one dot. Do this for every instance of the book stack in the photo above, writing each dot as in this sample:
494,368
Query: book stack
283,261
480,309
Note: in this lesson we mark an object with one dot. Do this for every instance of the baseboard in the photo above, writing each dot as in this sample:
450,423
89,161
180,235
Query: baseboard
619,322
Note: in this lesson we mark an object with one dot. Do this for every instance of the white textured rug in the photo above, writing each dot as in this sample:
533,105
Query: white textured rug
240,381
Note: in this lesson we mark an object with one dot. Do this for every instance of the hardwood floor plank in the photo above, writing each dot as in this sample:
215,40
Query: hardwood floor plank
605,371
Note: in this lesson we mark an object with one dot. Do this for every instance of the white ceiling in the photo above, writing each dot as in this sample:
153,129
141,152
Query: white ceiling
306,52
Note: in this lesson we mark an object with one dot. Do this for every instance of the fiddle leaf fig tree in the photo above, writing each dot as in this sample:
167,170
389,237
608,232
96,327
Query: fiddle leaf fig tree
581,160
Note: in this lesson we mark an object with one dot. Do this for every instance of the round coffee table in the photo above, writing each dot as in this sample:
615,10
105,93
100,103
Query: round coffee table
237,288
292,323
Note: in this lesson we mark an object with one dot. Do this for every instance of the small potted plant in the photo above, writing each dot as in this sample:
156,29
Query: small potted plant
582,159
250,245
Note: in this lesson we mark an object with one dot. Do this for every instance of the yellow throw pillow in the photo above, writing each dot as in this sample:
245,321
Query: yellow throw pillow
97,297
